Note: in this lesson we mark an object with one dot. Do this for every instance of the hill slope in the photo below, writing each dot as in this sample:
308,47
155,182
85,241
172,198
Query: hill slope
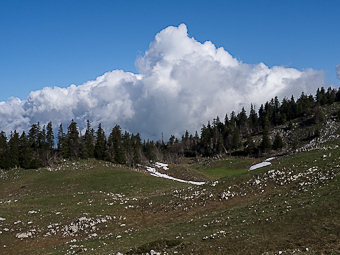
95,207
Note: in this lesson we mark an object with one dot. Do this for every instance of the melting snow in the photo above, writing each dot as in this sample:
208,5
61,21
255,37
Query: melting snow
154,172
259,165
2,219
162,165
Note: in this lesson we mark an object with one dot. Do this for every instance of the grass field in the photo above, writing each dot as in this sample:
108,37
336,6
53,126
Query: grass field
215,169
93,207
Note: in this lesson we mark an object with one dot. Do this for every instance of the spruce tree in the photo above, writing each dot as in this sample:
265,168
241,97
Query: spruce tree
250,147
4,153
253,119
34,136
62,146
319,116
226,120
50,137
13,147
72,140
115,146
242,121
277,143
235,138
89,140
137,146
265,143
149,150
100,146
25,152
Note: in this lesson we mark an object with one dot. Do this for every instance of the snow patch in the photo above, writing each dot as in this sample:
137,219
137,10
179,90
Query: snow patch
154,172
259,165
162,165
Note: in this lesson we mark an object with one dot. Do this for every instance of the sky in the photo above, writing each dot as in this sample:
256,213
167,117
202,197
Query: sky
274,47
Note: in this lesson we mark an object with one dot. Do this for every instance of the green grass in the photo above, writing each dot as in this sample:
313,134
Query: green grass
174,216
224,167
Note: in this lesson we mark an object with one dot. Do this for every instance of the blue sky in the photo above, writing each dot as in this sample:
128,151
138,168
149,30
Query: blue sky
47,43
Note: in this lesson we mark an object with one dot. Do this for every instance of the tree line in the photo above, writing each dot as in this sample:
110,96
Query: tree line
37,148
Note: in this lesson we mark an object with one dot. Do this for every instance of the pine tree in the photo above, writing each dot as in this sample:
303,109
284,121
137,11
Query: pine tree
149,150
276,112
253,119
25,152
42,144
337,95
60,137
4,153
226,120
50,137
13,146
100,146
33,136
235,138
115,146
242,121
136,146
262,115
293,112
72,140
319,116
89,140
35,139
62,145
321,97
265,143
278,143
250,147
232,120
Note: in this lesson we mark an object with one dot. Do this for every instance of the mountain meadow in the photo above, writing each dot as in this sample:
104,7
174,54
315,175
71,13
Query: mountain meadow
263,182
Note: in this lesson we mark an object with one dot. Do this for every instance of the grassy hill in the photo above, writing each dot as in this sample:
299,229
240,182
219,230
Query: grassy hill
95,207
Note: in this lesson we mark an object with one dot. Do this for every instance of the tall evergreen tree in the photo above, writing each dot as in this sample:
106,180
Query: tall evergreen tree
115,146
100,146
25,152
277,143
235,138
250,147
72,140
89,140
149,150
50,136
34,136
4,152
253,119
242,121
13,145
62,145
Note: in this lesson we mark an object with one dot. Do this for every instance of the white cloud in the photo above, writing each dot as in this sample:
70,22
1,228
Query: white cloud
181,85
338,71
13,116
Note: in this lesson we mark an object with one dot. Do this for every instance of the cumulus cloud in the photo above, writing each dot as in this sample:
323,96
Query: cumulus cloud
338,71
181,84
